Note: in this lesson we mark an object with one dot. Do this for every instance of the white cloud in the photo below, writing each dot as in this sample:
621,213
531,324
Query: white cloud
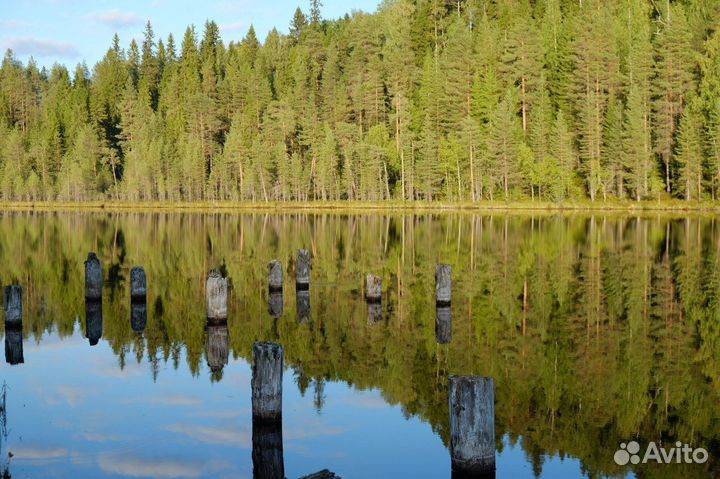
117,18
234,27
12,24
40,47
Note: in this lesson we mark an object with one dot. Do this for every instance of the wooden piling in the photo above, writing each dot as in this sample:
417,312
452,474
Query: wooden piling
216,291
266,382
472,425
375,312
13,305
138,316
443,324
93,321
138,284
14,344
373,288
443,284
93,278
302,297
267,450
302,269
275,304
275,276
217,347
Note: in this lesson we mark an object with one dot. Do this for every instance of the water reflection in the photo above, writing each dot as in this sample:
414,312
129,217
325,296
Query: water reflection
13,345
598,329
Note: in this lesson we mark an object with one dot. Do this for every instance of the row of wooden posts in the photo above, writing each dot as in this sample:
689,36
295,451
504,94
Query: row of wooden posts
471,399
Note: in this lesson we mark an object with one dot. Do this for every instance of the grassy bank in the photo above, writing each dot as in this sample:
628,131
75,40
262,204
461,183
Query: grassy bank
361,206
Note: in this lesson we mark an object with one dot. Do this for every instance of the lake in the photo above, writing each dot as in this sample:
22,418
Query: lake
597,330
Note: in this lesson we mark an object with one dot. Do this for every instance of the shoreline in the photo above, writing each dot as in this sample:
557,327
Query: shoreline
676,206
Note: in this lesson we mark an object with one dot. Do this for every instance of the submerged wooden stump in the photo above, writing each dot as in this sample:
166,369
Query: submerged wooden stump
275,304
93,278
267,450
13,345
138,284
138,316
275,276
13,305
217,346
443,324
266,382
303,305
443,284
472,425
302,269
217,292
373,288
93,321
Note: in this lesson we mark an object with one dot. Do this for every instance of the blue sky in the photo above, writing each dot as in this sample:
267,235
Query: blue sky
70,31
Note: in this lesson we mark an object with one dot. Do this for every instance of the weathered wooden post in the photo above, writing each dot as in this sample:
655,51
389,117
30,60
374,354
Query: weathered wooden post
375,312
138,316
13,305
373,288
275,304
443,324
443,284
93,321
302,270
93,278
217,347
472,425
216,290
275,276
302,297
266,382
267,450
138,284
13,344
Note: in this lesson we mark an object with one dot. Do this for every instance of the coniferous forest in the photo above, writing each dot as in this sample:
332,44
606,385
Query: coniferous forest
435,100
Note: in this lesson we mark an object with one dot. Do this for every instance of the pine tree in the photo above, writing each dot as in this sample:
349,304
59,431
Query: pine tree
690,152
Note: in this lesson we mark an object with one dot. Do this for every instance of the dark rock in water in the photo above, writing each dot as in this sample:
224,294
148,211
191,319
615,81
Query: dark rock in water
324,474
443,325
138,284
93,321
275,304
13,346
302,269
138,316
93,278
275,276
303,306
13,305
267,450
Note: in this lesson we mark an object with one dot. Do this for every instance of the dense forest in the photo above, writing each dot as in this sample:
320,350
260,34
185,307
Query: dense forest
452,100
596,329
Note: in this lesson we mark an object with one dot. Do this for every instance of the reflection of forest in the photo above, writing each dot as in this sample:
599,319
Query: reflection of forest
597,330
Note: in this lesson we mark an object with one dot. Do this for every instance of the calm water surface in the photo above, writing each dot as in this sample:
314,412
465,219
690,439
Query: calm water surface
597,330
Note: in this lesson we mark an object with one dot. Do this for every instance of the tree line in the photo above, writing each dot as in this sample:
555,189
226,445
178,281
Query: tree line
462,100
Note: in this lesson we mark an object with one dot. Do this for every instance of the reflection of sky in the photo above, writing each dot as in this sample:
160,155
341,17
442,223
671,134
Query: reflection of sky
73,413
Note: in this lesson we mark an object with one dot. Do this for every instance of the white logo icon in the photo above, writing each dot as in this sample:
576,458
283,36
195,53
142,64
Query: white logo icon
681,453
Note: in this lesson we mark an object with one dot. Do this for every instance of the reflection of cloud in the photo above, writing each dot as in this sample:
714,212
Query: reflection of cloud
100,437
366,401
222,414
227,435
155,467
37,454
116,18
70,395
40,47
176,400
311,427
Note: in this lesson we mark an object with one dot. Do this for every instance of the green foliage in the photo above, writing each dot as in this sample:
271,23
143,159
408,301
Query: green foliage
237,121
